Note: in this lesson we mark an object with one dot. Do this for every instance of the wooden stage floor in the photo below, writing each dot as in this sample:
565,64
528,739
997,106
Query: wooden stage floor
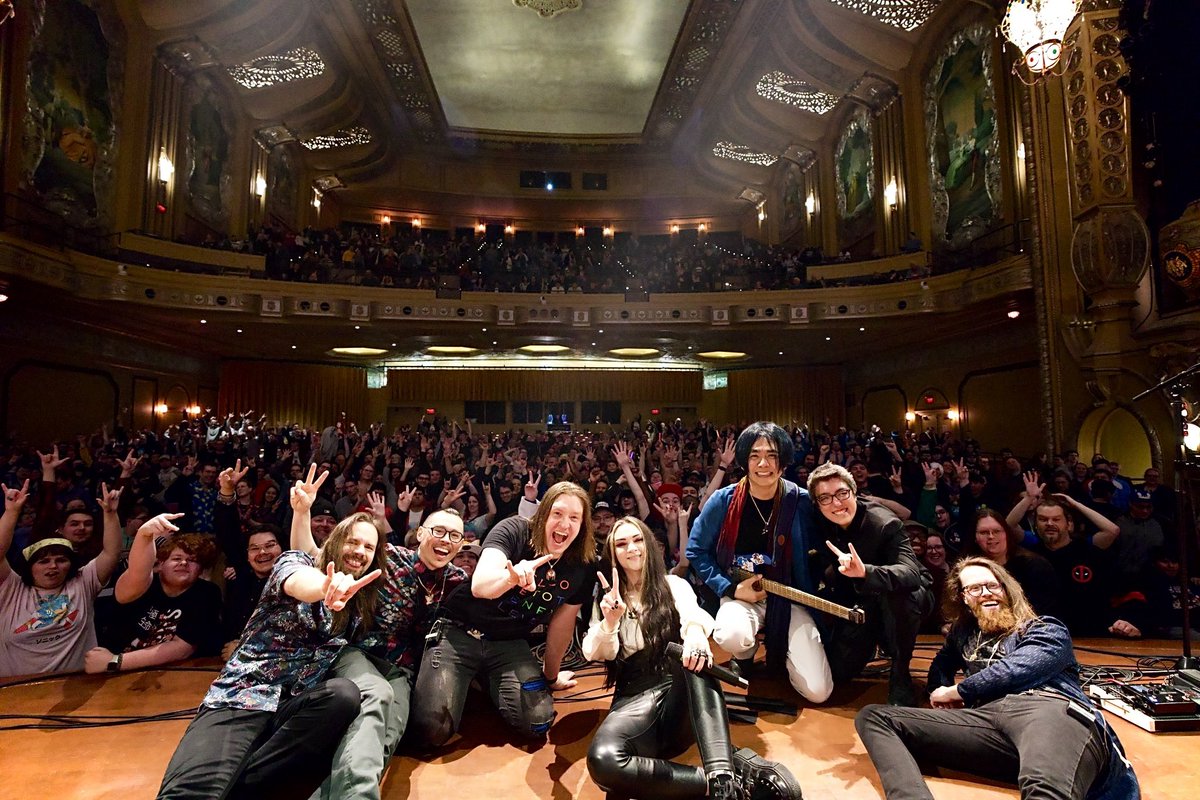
819,745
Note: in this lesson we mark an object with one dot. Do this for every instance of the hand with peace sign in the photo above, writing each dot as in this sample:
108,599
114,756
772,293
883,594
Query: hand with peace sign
524,574
611,604
849,564
531,485
230,476
340,587
304,493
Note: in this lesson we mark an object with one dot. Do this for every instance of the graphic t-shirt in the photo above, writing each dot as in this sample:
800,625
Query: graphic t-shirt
515,613
154,618
43,631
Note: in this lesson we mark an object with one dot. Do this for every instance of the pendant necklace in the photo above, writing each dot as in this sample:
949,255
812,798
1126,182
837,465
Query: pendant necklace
430,593
550,571
766,521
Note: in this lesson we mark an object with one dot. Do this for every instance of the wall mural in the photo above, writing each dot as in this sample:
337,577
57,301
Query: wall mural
854,168
72,89
282,184
964,150
792,196
209,182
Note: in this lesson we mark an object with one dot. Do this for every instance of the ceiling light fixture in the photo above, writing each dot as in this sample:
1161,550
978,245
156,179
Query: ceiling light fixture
357,351
722,355
633,352
451,350
544,349
1036,28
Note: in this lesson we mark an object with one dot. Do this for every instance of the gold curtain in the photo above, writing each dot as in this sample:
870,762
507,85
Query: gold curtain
311,395
809,395
422,385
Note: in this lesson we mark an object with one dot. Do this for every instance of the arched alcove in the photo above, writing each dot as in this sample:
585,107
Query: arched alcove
1120,436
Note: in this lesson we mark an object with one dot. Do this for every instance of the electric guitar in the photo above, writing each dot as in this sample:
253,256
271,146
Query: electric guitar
746,566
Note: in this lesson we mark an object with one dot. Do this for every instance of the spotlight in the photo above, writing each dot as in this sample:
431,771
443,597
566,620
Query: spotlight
1014,314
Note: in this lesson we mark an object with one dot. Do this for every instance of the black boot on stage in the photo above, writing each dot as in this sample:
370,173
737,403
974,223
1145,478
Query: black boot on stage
761,779
900,689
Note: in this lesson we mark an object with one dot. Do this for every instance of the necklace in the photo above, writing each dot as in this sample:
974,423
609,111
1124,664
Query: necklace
550,571
766,521
429,592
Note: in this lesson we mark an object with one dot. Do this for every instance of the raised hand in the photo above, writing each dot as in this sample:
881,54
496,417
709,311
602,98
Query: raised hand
726,446
454,495
108,500
612,606
129,463
930,475
684,515
849,564
409,463
15,498
669,515
531,485
51,461
160,525
304,493
524,574
896,481
340,587
622,453
230,476
961,472
1033,490
378,504
405,498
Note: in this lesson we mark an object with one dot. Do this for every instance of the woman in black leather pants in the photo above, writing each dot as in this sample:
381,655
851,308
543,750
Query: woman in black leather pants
660,706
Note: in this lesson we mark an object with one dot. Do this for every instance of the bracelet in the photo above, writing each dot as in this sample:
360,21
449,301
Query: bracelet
720,468
227,499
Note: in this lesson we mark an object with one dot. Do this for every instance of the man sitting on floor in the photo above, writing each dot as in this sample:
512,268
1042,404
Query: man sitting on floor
1019,715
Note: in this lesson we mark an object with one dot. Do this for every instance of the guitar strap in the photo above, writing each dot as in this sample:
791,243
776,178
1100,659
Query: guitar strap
779,609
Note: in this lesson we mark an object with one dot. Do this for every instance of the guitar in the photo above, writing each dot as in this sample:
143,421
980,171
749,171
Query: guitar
746,566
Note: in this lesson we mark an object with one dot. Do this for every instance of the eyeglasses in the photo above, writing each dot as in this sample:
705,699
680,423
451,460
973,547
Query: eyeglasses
978,589
841,495
449,534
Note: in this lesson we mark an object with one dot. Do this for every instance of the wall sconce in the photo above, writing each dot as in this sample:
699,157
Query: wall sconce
386,220
608,231
316,201
1021,152
416,223
166,170
910,416
762,212
702,227
194,410
579,230
260,186
509,229
160,408
810,204
674,229
952,415
891,194
480,227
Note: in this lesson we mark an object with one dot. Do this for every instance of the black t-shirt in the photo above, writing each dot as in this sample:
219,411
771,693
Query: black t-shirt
515,613
752,530
154,618
1085,586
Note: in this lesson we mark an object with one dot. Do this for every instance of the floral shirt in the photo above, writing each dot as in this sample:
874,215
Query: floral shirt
285,650
409,594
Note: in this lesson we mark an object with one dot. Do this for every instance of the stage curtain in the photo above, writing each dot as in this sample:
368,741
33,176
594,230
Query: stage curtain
808,395
422,385
310,395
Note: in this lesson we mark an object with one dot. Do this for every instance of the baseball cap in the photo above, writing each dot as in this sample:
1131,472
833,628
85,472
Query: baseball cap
322,508
1142,496
602,505
670,488
471,547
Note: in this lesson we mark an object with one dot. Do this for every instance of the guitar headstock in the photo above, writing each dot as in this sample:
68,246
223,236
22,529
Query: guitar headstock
857,616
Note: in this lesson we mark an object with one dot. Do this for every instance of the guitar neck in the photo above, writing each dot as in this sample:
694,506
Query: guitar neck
803,598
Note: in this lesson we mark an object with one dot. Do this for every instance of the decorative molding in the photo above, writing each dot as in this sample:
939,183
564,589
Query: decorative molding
296,64
784,88
548,8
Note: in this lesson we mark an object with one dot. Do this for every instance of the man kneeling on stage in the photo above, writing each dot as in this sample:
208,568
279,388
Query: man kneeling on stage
1019,715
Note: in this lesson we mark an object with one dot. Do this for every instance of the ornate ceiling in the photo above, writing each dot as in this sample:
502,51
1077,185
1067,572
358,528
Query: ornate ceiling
717,90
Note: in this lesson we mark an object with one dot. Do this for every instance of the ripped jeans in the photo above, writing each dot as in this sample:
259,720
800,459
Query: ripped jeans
513,678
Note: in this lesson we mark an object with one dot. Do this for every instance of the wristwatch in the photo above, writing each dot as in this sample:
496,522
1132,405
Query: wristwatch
114,663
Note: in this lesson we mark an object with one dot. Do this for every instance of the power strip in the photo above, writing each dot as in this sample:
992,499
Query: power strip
1145,705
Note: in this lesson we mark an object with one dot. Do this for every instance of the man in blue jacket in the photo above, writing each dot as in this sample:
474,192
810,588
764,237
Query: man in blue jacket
1019,715
762,519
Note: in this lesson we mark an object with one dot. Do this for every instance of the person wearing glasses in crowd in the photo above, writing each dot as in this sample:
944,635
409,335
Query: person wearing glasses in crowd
872,566
661,706
1019,715
764,520
382,661
531,572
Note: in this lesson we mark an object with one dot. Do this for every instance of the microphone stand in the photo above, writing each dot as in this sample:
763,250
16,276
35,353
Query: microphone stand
1173,386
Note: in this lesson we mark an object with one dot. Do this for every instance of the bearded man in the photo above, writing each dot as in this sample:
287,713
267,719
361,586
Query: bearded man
1020,715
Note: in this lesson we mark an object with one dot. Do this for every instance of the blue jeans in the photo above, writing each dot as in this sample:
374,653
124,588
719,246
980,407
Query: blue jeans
514,681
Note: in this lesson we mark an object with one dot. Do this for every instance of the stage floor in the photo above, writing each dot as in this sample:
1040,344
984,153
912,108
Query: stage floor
819,745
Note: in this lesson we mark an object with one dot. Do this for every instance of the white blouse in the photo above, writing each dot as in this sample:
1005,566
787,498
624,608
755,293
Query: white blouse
601,645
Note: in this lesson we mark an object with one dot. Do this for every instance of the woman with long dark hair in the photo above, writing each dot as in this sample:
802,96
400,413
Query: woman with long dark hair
995,539
659,708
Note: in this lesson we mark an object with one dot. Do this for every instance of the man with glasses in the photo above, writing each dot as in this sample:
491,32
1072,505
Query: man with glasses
873,566
1019,715
382,661
766,520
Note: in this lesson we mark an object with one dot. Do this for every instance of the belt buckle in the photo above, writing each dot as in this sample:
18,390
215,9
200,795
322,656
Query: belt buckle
475,633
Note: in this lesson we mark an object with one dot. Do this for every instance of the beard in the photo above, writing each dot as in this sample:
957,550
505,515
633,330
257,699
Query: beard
1000,619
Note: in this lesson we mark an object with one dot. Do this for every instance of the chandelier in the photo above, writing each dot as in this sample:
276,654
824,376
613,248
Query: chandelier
1036,27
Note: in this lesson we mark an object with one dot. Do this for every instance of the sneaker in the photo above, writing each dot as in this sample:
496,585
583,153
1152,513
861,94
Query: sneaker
760,779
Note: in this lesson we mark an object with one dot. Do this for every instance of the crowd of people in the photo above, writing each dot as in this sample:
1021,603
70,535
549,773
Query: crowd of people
418,260
364,578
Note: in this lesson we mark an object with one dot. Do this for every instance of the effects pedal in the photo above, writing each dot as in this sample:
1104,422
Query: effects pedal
1158,707
1160,700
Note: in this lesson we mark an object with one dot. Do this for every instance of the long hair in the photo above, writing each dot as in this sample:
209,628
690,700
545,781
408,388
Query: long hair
763,430
1012,538
659,618
583,549
363,601
199,546
954,607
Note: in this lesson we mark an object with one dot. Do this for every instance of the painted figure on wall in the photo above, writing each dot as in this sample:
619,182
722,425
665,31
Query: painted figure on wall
855,165
964,157
208,150
70,136
793,195
282,184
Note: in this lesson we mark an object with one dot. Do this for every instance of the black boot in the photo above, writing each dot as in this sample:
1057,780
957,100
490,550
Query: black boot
760,779
900,689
